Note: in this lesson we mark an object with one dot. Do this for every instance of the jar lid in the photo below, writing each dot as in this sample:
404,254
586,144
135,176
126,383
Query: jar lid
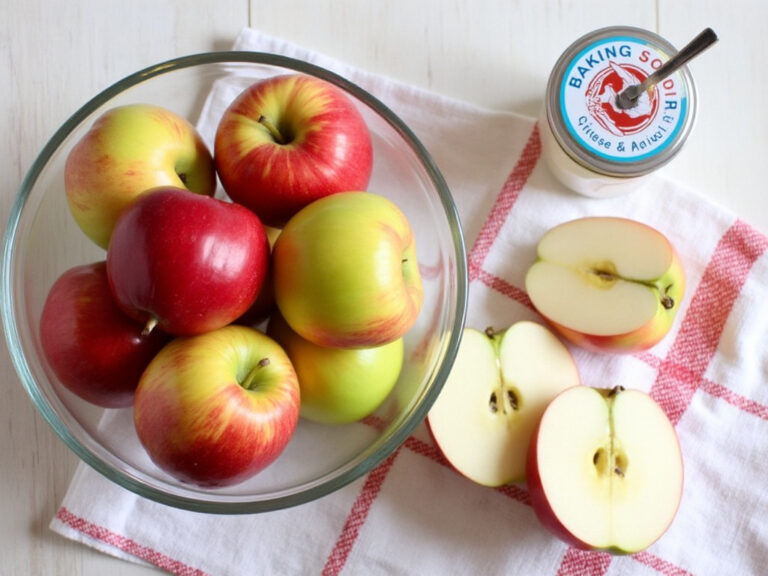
581,102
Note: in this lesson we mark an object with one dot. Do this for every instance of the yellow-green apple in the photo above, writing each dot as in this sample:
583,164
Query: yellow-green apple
288,140
94,349
128,150
608,284
494,396
346,273
605,470
217,408
339,385
186,263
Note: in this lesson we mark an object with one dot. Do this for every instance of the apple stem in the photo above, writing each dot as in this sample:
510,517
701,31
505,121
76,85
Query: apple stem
250,380
615,390
264,121
149,326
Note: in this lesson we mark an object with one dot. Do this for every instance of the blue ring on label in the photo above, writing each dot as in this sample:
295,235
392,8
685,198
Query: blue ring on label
574,133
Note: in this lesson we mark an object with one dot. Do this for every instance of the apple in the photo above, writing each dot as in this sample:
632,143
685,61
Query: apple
128,150
186,263
605,469
288,140
607,284
346,273
94,349
215,409
494,396
264,305
339,385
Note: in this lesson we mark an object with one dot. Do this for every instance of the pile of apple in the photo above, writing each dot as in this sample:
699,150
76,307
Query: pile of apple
222,321
603,464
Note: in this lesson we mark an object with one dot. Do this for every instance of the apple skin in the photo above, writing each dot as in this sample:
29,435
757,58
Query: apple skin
320,145
541,504
673,280
346,273
186,262
215,409
94,349
128,150
339,385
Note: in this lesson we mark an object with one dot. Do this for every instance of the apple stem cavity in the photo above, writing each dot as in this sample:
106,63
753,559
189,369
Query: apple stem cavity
251,379
149,326
277,136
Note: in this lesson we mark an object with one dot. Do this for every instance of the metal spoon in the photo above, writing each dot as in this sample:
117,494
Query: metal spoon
628,97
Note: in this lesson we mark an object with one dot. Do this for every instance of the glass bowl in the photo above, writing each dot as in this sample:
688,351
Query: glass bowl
42,241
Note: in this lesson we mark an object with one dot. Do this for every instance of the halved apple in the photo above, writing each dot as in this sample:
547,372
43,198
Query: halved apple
607,284
489,407
605,470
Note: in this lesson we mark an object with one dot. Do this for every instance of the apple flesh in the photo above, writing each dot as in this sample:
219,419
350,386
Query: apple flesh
215,409
346,273
339,385
607,284
186,263
129,150
289,140
490,405
94,349
605,469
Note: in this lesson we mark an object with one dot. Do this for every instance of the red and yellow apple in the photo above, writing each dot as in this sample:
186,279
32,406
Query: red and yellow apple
128,150
288,140
94,349
186,263
605,469
346,273
494,396
606,283
339,385
215,409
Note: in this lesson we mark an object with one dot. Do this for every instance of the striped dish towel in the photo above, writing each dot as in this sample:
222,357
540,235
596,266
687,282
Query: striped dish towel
413,515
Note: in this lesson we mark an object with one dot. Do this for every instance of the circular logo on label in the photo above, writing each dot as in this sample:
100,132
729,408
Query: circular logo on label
601,96
591,81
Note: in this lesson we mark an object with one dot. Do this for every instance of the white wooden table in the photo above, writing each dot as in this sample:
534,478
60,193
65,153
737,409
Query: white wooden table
56,55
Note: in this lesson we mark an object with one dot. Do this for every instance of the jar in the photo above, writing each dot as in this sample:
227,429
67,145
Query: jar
590,144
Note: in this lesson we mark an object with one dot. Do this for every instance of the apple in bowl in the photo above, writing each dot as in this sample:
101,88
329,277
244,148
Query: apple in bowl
128,150
606,283
605,469
493,398
288,140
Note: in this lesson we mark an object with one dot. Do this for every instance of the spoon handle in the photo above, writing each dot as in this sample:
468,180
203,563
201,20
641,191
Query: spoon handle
628,97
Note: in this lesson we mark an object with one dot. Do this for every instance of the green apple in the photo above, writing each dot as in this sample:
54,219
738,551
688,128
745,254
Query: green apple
339,385
128,150
346,273
608,284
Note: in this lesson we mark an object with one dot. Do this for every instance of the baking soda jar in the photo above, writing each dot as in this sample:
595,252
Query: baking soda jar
590,144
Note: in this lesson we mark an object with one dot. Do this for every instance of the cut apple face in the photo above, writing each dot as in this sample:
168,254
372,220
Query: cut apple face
499,386
608,284
605,469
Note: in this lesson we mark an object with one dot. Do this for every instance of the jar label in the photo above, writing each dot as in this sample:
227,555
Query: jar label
588,107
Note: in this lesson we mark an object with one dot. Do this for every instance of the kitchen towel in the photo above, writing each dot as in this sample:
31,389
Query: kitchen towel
413,515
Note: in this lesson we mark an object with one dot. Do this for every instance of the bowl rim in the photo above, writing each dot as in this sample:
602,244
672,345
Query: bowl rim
366,460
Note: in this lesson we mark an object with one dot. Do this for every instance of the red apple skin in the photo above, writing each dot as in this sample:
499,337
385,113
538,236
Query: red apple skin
94,349
200,420
326,146
539,502
191,263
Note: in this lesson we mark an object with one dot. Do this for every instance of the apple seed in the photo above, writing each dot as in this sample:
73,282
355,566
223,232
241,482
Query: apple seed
493,403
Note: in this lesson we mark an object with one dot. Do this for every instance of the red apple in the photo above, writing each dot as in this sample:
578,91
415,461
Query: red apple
215,409
288,140
186,263
605,470
94,349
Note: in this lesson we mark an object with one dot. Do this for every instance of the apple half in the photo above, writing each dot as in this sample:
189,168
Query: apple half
605,469
607,284
499,386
